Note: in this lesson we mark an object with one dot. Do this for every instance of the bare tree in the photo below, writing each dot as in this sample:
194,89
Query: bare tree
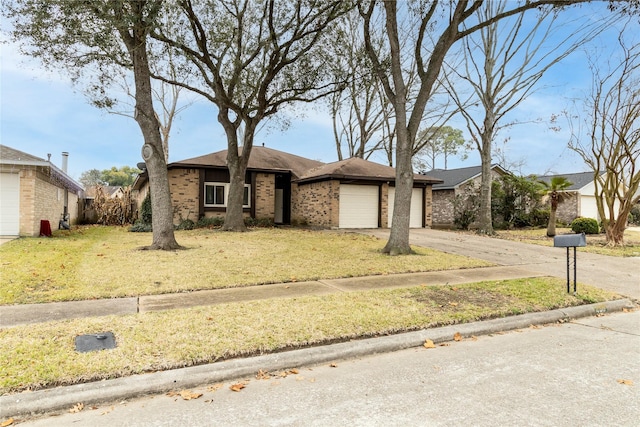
251,59
446,19
357,110
503,63
93,37
612,143
442,141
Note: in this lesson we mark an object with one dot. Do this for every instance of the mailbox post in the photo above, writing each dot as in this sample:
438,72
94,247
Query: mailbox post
570,241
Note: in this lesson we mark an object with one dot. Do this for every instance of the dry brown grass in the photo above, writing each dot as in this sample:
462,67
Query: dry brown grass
106,262
43,355
596,243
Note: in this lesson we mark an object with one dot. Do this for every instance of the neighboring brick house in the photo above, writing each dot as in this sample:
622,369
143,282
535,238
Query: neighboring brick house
289,189
31,190
455,182
580,200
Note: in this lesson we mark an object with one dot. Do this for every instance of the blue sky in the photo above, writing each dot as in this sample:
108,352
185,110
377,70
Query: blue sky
41,112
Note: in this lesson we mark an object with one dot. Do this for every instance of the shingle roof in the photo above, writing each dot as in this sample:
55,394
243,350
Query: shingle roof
578,180
357,169
9,155
452,178
262,158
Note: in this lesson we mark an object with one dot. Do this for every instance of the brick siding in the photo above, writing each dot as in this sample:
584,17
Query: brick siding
316,204
265,196
184,185
41,200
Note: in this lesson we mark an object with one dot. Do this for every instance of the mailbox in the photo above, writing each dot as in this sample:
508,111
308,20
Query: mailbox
570,240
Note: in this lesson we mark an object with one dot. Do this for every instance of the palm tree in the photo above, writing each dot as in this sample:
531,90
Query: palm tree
554,191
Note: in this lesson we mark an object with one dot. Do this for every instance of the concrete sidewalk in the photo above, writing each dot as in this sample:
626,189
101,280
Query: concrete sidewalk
15,315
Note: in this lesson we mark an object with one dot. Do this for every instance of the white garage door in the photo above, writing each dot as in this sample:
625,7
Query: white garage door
9,204
415,220
358,206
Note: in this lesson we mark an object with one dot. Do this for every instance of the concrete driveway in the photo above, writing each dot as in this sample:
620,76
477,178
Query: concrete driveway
617,274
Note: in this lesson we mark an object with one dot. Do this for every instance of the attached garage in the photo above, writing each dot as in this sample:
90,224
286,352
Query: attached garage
356,193
359,206
9,204
416,215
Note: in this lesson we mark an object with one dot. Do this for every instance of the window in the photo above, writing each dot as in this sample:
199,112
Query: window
216,194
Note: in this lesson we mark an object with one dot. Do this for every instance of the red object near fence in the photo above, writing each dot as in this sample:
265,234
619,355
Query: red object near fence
45,228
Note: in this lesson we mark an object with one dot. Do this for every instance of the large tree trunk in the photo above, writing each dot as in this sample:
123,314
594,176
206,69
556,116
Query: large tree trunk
615,233
484,216
399,236
237,163
152,151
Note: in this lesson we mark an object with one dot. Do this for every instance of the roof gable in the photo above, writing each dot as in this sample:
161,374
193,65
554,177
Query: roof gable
262,158
578,180
357,169
452,178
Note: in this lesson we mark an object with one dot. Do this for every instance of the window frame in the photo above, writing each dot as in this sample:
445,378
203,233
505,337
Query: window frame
226,186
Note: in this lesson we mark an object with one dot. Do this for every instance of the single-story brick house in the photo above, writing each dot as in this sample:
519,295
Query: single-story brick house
31,190
580,198
290,189
455,182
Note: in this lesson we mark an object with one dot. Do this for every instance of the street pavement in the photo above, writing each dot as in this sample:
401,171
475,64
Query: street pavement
583,373
494,372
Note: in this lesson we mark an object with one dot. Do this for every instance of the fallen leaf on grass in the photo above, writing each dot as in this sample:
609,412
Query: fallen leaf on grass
237,387
429,344
294,371
453,304
77,408
7,422
333,365
457,336
625,382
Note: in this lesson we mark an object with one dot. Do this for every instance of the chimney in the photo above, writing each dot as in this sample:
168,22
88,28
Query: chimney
65,161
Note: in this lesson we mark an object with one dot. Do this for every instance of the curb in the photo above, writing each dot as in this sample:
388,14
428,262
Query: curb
63,398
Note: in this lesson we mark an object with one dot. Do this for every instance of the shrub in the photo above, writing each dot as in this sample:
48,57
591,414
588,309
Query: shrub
186,224
259,222
140,227
213,222
634,215
145,210
585,225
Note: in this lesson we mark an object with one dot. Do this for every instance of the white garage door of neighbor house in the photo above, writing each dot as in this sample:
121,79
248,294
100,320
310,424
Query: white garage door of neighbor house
415,220
9,204
588,207
358,206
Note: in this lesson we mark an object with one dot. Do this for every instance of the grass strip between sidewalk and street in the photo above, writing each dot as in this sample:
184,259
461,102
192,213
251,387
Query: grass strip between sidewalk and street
43,355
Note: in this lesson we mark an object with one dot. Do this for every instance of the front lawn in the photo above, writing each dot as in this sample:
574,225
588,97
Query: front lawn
43,355
106,262
596,243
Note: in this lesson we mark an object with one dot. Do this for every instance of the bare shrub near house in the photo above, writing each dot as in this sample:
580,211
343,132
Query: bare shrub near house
116,210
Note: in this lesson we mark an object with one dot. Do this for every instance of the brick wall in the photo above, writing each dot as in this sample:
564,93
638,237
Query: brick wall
265,195
442,208
184,185
384,206
568,209
41,200
428,206
316,204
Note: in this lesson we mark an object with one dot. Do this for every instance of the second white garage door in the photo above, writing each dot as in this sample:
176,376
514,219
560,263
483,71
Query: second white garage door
415,220
358,206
